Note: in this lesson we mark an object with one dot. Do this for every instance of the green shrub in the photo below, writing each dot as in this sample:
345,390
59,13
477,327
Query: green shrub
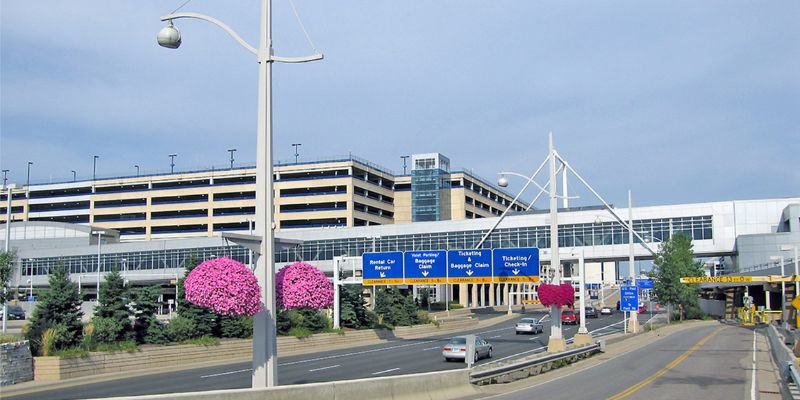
10,338
54,338
180,329
126,346
236,326
106,330
156,333
203,341
300,332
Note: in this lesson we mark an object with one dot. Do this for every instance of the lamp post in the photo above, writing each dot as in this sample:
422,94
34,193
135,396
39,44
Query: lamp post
172,163
94,167
789,247
231,151
556,342
137,169
633,321
28,181
99,240
296,154
783,285
265,372
5,176
74,175
404,163
7,245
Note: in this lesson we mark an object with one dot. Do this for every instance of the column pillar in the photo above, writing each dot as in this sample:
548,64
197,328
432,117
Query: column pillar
474,295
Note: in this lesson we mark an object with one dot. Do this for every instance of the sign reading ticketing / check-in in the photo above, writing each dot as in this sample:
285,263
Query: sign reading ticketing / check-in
516,265
383,268
425,266
469,266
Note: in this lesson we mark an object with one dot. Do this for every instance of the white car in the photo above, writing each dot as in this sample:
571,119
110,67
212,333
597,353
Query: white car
606,311
528,325
456,348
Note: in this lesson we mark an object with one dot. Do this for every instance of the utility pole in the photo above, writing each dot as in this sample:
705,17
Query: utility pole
296,154
231,151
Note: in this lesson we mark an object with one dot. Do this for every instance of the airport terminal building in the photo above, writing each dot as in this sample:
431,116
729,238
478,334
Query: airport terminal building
148,227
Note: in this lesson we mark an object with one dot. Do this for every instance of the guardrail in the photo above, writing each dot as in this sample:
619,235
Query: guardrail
525,368
784,358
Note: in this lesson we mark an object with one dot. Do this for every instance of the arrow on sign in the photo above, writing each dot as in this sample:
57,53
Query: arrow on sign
424,273
469,272
383,274
515,271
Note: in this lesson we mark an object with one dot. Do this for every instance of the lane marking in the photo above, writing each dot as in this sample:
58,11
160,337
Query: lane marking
495,336
320,369
355,353
383,372
635,388
432,348
753,375
227,373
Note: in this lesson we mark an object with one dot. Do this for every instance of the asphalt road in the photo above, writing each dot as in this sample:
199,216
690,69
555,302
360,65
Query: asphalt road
705,362
397,357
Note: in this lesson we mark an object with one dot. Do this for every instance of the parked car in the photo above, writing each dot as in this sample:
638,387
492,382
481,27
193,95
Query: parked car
528,325
456,348
606,311
570,317
591,312
14,312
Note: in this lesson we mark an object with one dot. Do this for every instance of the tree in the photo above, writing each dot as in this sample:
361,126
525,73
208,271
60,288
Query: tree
145,304
674,260
6,259
61,305
353,311
396,308
113,304
206,322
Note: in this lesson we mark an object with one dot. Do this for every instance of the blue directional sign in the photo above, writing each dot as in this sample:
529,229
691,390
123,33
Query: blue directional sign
516,265
644,283
628,298
428,266
469,266
383,268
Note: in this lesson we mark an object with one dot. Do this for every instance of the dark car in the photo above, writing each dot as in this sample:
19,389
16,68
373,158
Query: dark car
591,312
14,312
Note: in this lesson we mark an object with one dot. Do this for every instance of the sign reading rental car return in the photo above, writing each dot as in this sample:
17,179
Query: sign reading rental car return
716,279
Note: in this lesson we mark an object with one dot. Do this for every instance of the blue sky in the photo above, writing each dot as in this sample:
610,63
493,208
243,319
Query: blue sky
678,101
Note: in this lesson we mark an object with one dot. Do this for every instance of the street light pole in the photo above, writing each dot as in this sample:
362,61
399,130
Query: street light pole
5,176
94,167
633,321
28,182
137,169
172,163
265,373
556,341
74,175
789,247
231,151
296,154
99,240
7,244
404,163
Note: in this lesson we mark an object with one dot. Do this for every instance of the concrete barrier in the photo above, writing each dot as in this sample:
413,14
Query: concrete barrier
432,385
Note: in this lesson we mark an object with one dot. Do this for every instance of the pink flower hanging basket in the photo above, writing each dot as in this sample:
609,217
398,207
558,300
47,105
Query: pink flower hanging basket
560,295
301,285
225,286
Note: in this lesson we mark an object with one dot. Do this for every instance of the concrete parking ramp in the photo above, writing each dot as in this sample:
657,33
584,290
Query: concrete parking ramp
427,386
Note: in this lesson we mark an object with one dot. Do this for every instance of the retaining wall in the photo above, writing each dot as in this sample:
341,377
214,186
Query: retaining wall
16,363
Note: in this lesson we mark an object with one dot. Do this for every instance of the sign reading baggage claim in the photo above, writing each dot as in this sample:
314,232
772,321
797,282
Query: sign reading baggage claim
514,265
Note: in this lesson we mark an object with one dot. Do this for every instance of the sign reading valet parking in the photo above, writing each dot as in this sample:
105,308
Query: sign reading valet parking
425,266
515,265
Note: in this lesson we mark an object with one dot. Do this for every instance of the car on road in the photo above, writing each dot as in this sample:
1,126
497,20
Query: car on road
570,317
456,348
528,325
591,312
14,312
606,311
642,309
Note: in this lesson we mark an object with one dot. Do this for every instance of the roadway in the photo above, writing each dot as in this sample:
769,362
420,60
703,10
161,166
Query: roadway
703,362
396,357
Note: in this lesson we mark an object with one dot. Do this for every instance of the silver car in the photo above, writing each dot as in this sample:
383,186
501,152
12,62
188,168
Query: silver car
456,348
528,325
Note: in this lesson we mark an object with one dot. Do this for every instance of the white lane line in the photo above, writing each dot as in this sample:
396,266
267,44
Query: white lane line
356,353
432,348
753,375
495,336
227,373
383,372
320,369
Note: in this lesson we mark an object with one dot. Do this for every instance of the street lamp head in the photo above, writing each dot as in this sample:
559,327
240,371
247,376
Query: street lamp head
503,181
787,247
775,258
169,37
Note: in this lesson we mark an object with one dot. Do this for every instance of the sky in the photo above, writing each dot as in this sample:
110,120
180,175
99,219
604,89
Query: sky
678,102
